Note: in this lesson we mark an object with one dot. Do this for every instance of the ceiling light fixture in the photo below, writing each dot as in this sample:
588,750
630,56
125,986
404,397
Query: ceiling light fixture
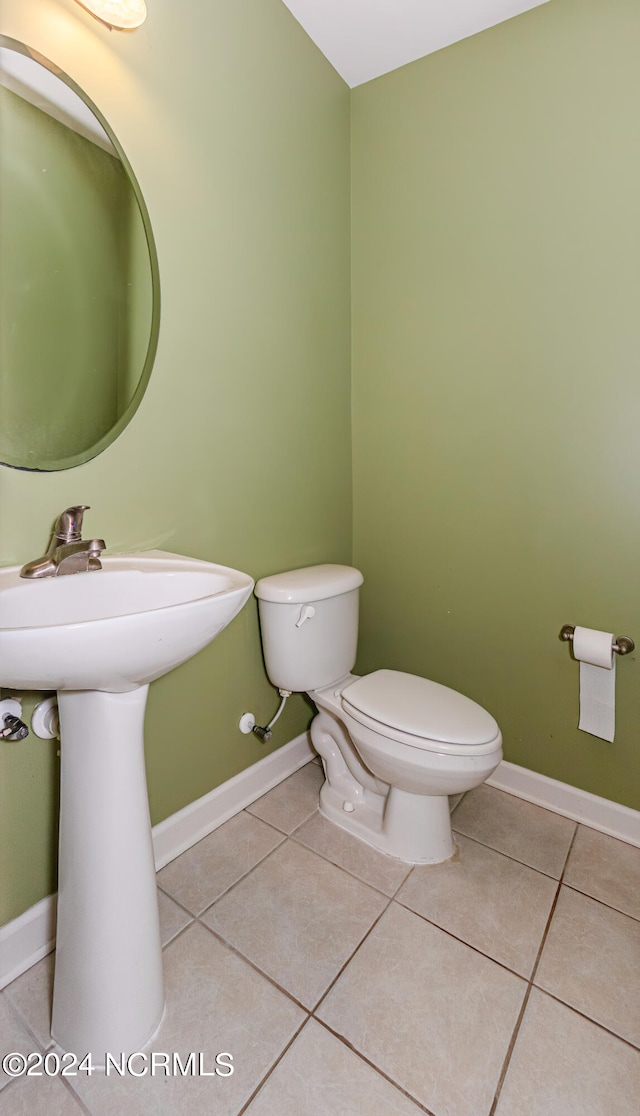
125,15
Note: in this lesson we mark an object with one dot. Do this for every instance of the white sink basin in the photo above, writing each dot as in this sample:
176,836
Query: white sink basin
116,628
98,639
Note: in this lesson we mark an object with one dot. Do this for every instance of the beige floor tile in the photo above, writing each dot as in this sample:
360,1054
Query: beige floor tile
488,900
172,918
606,869
32,994
591,960
380,871
563,1065
215,1003
39,1096
292,801
14,1036
319,1076
298,918
519,829
206,870
430,1012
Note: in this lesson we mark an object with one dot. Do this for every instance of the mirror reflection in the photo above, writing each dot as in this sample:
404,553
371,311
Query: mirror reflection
78,272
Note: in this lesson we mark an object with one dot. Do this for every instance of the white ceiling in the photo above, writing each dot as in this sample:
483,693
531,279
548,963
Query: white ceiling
365,38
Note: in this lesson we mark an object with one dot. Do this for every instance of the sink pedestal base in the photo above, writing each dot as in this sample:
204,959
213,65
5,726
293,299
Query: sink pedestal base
108,990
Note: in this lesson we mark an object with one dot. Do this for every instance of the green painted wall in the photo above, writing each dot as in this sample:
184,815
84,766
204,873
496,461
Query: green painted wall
496,373
496,279
238,132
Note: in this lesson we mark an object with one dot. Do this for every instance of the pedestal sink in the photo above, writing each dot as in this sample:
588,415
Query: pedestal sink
99,638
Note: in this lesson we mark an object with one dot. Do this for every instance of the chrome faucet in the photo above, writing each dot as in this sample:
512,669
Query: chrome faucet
68,552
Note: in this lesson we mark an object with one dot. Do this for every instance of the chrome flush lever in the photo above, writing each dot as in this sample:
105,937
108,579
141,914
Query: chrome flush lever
306,612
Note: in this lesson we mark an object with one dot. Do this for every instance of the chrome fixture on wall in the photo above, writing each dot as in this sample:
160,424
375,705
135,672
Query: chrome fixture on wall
12,727
622,646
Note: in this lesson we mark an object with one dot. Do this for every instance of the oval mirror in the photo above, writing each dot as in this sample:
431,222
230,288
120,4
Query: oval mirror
79,286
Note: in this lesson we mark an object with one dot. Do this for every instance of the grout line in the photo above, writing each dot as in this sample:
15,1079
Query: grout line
181,932
509,856
569,851
243,877
271,980
256,968
248,810
589,1019
458,803
256,817
311,1013
528,991
545,935
559,882
178,933
301,824
254,965
43,1048
22,1019
462,941
173,899
299,845
373,1066
510,1048
276,1063
351,957
272,825
553,909
163,887
351,874
77,1098
407,877
547,875
601,902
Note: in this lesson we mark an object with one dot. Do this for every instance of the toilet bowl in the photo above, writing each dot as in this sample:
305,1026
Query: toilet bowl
394,745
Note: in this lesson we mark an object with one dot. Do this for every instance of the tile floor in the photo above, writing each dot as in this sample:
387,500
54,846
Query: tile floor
505,982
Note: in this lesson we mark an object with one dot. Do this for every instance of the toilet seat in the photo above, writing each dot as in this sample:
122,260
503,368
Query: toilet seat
420,713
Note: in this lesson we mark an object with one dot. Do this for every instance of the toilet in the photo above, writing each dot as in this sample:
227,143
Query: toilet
393,745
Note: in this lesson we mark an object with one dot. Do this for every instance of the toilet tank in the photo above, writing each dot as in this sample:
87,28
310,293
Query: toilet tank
309,625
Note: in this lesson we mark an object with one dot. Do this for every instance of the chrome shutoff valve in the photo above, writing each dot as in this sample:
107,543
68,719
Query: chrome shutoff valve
12,727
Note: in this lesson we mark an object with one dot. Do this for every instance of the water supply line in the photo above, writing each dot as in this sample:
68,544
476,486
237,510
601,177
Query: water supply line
264,733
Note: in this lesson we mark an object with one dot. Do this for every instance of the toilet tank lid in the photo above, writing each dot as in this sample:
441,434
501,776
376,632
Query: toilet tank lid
418,706
313,583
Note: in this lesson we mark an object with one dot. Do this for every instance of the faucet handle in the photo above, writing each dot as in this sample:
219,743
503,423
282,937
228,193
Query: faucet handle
68,526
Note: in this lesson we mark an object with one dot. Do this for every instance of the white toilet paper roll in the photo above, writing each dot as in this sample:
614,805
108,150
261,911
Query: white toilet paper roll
591,646
594,650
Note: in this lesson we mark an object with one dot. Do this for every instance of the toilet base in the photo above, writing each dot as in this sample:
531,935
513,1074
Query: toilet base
414,828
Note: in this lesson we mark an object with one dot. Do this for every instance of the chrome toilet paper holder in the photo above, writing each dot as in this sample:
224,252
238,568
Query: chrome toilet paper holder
622,646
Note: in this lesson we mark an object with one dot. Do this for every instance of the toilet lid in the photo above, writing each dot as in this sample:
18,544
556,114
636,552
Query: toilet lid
419,707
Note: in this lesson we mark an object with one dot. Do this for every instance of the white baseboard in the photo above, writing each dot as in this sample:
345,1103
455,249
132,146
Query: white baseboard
27,939
30,937
581,806
182,830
